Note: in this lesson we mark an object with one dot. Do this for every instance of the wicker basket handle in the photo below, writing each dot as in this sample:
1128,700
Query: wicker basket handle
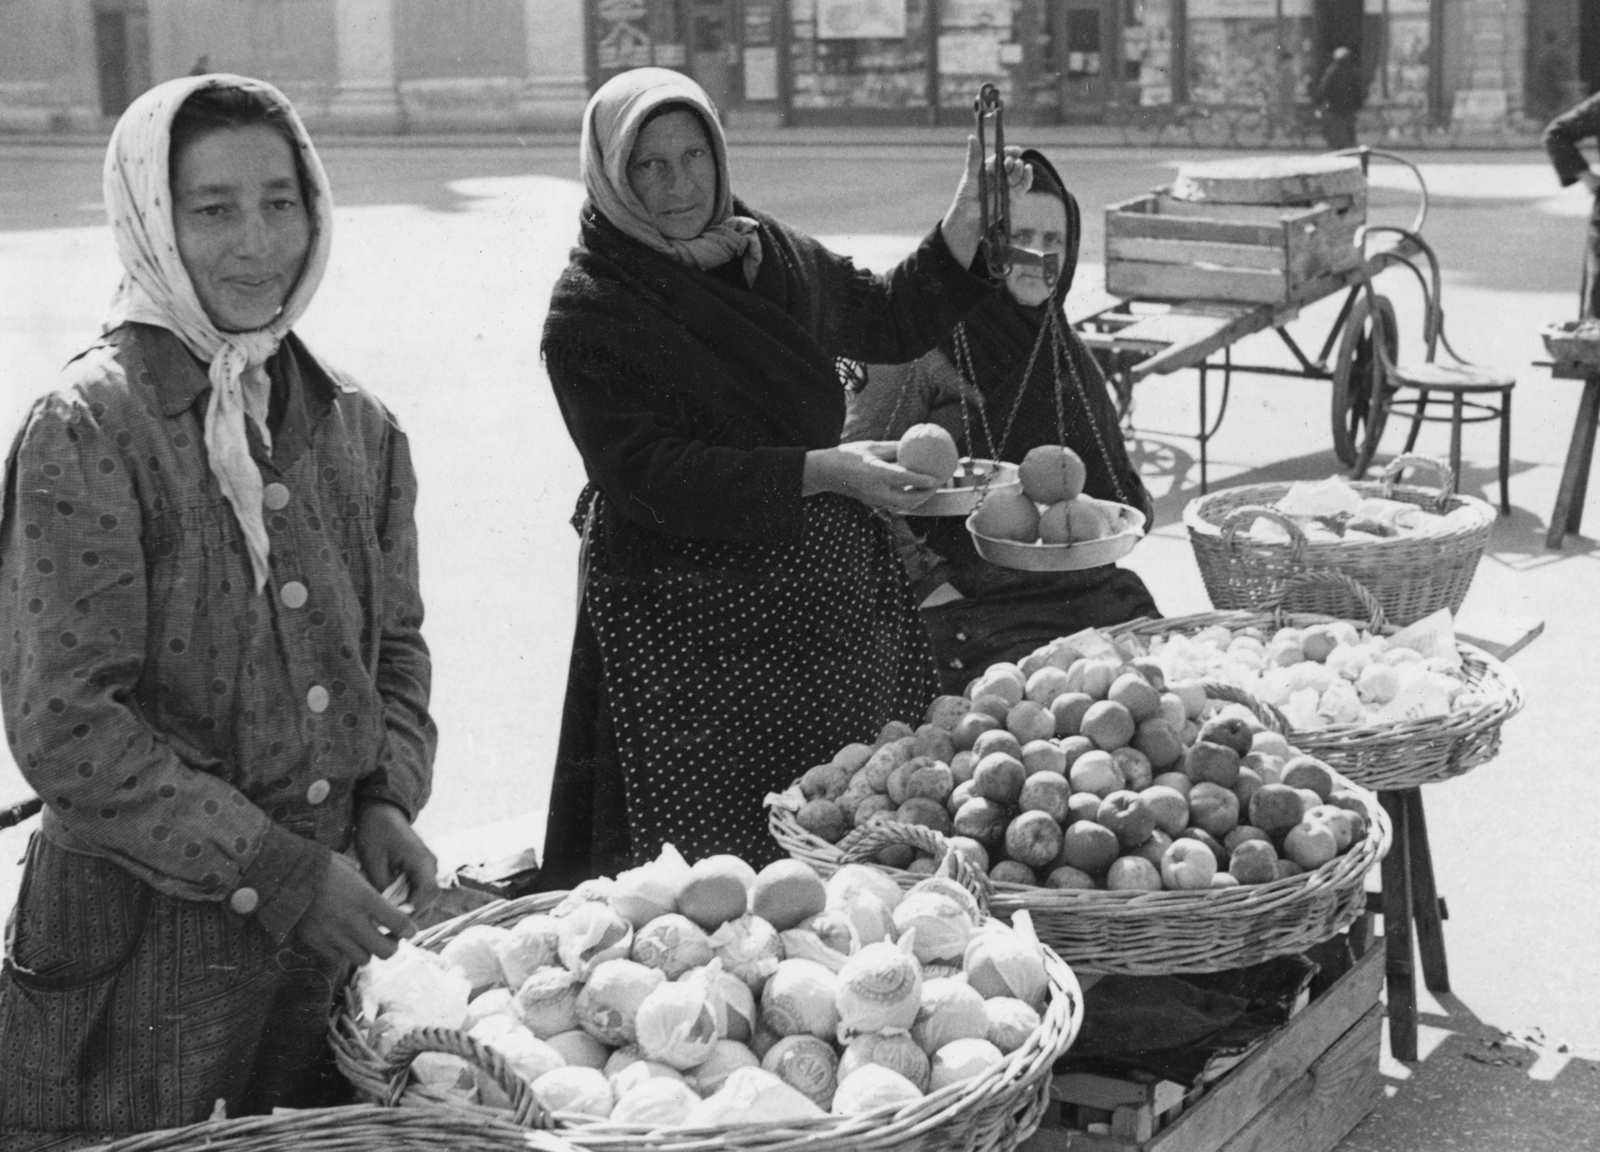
525,1107
1246,513
1268,714
863,843
1275,603
1447,478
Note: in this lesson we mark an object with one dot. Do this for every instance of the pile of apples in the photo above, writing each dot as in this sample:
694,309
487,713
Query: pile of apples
1050,508
1084,767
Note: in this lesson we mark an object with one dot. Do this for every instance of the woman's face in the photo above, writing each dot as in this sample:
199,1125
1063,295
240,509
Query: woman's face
674,173
243,231
1039,222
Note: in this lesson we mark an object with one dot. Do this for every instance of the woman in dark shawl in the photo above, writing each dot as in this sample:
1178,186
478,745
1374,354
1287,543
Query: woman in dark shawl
977,613
744,612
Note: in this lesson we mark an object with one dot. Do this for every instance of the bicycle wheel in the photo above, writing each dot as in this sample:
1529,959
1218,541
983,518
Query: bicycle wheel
1360,395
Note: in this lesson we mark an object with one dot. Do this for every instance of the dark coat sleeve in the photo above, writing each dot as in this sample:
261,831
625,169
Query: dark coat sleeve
1562,135
649,459
894,319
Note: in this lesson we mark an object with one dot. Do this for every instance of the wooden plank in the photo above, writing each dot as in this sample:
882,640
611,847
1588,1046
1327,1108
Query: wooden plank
1144,281
1164,227
1270,179
1281,1060
1319,1109
1267,214
1168,251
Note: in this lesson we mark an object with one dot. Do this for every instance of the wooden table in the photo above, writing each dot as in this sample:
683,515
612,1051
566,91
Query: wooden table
1410,902
1568,514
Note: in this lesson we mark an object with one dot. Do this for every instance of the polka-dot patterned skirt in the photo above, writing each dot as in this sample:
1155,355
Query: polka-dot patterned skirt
732,673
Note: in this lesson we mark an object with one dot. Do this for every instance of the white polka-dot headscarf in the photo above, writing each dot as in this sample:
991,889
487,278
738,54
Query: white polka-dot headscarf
156,289
611,124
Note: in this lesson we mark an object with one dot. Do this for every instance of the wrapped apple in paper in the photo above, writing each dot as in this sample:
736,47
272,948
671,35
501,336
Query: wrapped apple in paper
547,1002
752,1096
896,1051
871,1087
726,1058
672,943
637,1072
609,1002
675,1025
951,1010
1007,964
799,1000
529,944
807,1064
749,948
657,1102
641,894
583,1091
879,989
939,923
475,951
444,1073
1011,1023
730,998
415,983
961,1060
494,1002
590,934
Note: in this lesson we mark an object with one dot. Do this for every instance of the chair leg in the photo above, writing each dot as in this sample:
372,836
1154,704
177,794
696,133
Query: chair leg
1505,453
1457,403
1416,421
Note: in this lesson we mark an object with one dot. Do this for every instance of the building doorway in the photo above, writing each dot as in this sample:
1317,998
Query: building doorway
712,46
1081,53
121,52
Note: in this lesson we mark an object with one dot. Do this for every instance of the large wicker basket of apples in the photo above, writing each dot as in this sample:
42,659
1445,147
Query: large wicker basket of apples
681,1007
1147,827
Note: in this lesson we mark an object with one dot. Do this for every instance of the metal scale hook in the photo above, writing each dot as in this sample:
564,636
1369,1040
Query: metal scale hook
994,199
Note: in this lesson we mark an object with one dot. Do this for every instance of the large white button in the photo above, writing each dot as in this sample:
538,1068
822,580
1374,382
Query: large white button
244,901
318,792
317,698
275,497
293,594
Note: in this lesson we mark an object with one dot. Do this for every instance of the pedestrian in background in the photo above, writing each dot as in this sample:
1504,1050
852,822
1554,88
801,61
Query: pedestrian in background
214,675
744,611
1561,139
1340,95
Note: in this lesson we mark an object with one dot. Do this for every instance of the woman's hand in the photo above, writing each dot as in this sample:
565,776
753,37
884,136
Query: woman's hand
348,920
866,470
388,846
963,223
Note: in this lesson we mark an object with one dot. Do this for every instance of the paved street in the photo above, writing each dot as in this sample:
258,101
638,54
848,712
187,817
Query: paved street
442,267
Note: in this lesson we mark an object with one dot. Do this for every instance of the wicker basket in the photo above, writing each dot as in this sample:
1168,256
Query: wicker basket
994,1111
1154,933
1410,576
1396,755
345,1129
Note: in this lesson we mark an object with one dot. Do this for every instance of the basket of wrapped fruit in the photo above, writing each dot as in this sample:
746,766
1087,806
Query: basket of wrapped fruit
681,1007
1146,826
1389,708
1415,549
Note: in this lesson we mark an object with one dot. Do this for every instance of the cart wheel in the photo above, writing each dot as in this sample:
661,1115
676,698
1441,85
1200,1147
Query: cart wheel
1360,399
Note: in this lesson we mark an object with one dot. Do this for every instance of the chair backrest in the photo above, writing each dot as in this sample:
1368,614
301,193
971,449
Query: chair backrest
1431,285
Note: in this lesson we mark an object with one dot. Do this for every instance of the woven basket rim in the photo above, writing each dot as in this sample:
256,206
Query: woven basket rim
1195,515
1003,1087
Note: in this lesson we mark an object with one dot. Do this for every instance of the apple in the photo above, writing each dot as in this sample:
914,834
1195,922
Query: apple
1213,808
1150,668
1046,792
1089,846
1045,685
1188,864
1229,731
1073,747
1242,833
961,766
1082,806
982,820
1108,724
1271,744
1269,768
1224,880
1248,784
1133,874
1137,774
1342,822
1309,798
1155,847
1309,772
1066,876
999,776
1254,862
970,727
1208,762
1134,693
1159,741
959,795
1029,721
1177,781
992,705
1171,808
1034,838
1310,844
997,740
971,851
1044,756
1096,772
1287,868
1013,872
1068,709
1092,677
1028,665
1172,711
1193,695
1276,808
1126,814
1201,836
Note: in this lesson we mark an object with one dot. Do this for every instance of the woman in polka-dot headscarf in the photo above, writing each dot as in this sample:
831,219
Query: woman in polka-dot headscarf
744,611
215,677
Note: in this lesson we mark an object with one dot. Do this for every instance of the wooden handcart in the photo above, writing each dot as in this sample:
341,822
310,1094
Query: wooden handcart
1187,281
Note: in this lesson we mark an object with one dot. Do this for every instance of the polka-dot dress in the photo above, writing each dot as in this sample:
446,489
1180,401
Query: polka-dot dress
731,673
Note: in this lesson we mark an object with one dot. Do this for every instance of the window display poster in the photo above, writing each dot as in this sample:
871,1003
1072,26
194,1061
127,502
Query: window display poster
975,14
969,53
758,23
761,73
1396,7
861,19
1250,9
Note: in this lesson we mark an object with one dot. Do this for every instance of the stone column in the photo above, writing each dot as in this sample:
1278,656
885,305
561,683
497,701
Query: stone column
555,89
366,99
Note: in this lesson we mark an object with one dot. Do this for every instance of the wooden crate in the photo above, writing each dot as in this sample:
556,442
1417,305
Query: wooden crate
1304,1088
1159,247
